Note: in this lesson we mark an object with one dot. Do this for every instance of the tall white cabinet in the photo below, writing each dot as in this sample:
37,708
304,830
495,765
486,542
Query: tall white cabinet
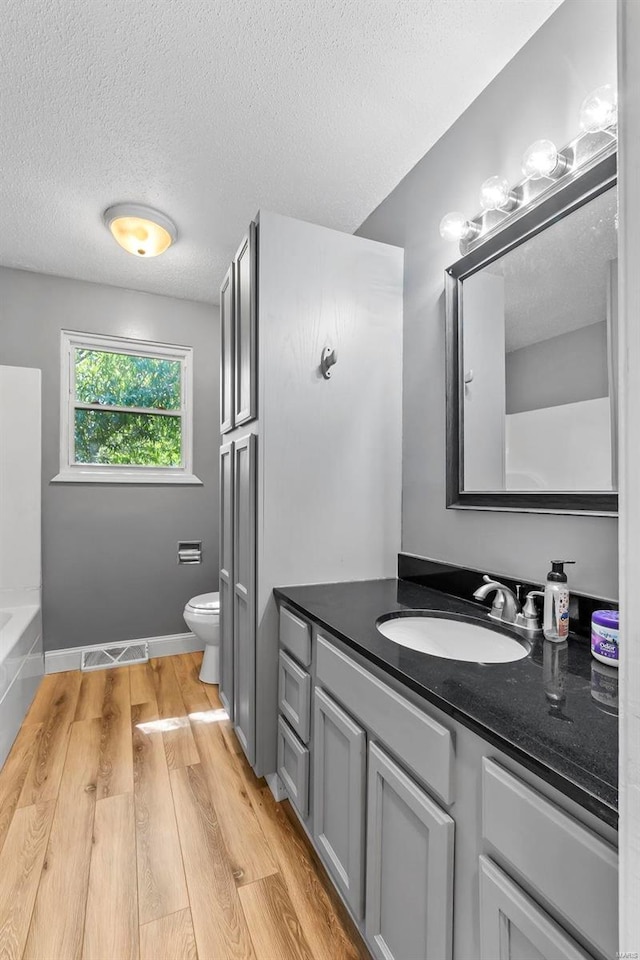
310,467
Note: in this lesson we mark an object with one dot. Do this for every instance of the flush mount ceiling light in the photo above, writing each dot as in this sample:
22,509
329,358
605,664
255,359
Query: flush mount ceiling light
140,230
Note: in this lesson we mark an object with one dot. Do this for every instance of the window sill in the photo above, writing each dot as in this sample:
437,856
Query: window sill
127,477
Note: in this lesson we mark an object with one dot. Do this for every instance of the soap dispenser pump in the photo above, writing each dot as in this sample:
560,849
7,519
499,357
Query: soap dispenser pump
556,603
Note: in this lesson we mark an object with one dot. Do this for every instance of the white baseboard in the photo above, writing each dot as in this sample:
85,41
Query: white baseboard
276,786
55,661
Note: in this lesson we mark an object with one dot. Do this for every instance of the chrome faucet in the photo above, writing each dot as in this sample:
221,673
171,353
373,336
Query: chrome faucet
506,606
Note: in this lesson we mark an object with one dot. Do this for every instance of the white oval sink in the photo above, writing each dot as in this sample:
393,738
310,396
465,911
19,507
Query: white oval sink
453,639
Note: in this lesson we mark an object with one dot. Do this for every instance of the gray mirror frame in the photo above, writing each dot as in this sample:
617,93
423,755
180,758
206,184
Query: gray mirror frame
582,187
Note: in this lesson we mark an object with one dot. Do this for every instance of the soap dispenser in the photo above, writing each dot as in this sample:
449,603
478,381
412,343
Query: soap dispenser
556,603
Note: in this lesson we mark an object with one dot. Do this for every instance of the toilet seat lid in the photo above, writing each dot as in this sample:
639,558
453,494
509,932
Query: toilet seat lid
205,601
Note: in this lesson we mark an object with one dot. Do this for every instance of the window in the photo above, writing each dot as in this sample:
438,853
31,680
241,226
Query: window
125,414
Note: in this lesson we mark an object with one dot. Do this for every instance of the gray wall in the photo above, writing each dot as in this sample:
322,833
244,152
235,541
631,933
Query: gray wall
564,369
538,94
109,551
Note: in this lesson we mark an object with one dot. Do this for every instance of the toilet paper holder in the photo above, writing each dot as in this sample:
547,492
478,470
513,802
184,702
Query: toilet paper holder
190,551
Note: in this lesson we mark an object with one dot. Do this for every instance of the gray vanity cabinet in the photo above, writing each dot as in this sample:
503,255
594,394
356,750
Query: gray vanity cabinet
339,764
244,592
226,576
410,842
245,329
227,356
515,927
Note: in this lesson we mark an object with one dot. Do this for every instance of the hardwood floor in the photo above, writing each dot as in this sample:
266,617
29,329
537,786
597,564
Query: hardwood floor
133,828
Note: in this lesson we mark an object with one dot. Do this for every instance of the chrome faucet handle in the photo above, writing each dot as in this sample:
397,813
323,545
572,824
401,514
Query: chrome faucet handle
528,618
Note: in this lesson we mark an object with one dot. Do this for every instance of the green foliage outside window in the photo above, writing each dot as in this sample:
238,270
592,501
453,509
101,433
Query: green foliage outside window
119,437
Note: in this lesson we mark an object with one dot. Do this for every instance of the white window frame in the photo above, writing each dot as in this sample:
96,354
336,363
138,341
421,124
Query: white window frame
71,472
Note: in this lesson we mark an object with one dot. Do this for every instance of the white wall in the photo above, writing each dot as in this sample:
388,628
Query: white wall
538,94
20,517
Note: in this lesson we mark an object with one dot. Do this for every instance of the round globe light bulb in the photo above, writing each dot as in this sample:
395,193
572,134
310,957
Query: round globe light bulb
540,160
139,229
454,226
495,194
599,111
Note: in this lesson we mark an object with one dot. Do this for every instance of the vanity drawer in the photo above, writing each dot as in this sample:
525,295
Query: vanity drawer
563,861
426,747
294,695
293,766
295,636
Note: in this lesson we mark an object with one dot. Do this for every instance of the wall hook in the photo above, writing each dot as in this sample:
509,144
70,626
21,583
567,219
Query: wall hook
327,360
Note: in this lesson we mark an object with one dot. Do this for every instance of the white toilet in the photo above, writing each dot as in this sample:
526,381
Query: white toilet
202,616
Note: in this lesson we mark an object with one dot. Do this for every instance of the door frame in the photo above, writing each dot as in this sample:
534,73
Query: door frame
629,474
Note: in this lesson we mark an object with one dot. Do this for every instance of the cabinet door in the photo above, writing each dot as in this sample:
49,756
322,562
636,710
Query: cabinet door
244,604
227,358
245,329
339,758
514,927
409,867
226,576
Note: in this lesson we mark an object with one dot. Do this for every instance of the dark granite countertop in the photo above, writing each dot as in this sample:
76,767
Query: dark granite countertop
570,742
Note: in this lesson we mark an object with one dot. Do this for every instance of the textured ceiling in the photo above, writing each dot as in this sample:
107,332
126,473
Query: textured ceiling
210,110
558,281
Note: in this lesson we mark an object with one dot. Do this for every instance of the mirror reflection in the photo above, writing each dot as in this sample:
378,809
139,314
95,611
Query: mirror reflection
538,348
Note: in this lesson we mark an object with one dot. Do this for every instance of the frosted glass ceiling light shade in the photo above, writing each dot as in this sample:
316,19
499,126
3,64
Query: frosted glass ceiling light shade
455,226
140,230
599,111
543,160
495,194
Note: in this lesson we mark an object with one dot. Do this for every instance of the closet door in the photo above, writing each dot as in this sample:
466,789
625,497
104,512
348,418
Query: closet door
227,358
226,577
244,585
245,329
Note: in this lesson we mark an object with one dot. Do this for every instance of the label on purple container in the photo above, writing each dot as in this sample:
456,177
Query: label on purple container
604,641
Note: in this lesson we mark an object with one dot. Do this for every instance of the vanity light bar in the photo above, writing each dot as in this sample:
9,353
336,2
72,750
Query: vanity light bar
542,166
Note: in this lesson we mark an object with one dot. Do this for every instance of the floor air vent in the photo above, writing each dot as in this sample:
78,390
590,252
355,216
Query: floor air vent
116,656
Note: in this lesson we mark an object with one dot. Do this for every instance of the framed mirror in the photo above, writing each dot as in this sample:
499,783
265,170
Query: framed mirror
532,357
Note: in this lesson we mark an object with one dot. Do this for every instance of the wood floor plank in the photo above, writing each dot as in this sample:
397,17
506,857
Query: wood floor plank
179,744
213,694
45,694
142,684
161,883
20,868
273,923
115,773
43,778
57,933
248,850
111,925
91,695
330,933
197,657
169,938
193,692
218,921
14,773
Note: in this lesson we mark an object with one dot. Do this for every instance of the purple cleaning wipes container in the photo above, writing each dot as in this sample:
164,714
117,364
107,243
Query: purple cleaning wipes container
605,628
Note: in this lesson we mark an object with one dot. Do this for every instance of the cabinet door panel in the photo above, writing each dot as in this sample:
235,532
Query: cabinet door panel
409,867
244,610
227,356
339,758
245,331
514,927
226,576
